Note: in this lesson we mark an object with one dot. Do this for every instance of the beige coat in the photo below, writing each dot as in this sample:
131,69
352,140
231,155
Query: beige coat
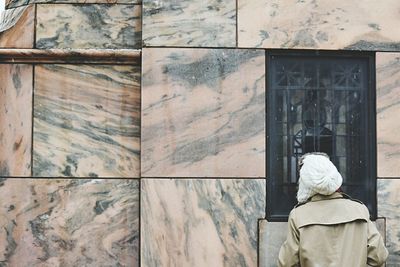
332,231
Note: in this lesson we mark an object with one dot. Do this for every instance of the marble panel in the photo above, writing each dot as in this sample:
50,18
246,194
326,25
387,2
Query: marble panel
17,27
317,24
15,119
200,23
200,222
380,224
389,207
88,26
17,3
388,108
203,113
51,222
86,121
271,236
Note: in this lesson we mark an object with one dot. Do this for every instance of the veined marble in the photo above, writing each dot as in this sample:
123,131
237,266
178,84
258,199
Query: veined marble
50,222
316,24
86,121
15,119
10,17
88,26
203,113
201,23
200,222
389,207
17,27
388,108
17,3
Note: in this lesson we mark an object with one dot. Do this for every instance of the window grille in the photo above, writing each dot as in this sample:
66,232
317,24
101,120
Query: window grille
320,101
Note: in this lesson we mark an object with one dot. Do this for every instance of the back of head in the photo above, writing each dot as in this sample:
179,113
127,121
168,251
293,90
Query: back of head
318,175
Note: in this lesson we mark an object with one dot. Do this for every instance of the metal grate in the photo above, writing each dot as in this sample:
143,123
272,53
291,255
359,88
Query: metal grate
320,103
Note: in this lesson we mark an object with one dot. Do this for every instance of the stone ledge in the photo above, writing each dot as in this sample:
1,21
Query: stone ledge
104,56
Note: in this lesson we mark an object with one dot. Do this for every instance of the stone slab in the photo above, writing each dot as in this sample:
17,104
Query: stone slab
51,222
15,119
86,121
17,27
199,23
203,113
17,3
318,24
200,222
271,236
387,109
389,207
98,26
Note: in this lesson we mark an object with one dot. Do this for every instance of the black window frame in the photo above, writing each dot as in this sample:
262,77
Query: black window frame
371,141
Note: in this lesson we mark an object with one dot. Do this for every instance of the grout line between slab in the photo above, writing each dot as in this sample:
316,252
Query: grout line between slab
237,25
202,178
34,26
32,114
68,178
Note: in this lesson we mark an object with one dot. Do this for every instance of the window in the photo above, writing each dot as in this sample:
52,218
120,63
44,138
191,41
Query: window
320,101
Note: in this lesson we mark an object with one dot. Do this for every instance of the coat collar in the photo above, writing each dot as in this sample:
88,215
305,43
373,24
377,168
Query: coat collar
319,197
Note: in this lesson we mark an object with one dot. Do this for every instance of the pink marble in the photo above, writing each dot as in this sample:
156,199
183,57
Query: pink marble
71,222
86,121
388,108
389,207
17,27
200,222
203,113
319,24
15,119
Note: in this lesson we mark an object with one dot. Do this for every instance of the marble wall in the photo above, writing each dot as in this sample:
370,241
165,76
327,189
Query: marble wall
389,207
387,107
306,24
271,237
203,113
15,119
17,28
51,222
316,24
16,3
199,23
200,222
88,26
188,127
86,121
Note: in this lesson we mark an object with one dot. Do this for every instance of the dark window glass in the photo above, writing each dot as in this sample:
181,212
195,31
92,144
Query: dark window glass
320,102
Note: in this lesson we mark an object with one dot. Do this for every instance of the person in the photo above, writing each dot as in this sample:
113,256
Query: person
328,228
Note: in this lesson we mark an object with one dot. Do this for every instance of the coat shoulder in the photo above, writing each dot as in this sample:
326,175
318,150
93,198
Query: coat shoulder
330,211
345,196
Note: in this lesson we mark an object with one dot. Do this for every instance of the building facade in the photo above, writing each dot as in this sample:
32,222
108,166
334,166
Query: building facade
166,133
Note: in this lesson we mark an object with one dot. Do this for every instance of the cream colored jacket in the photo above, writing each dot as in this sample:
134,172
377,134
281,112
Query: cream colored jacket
332,231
